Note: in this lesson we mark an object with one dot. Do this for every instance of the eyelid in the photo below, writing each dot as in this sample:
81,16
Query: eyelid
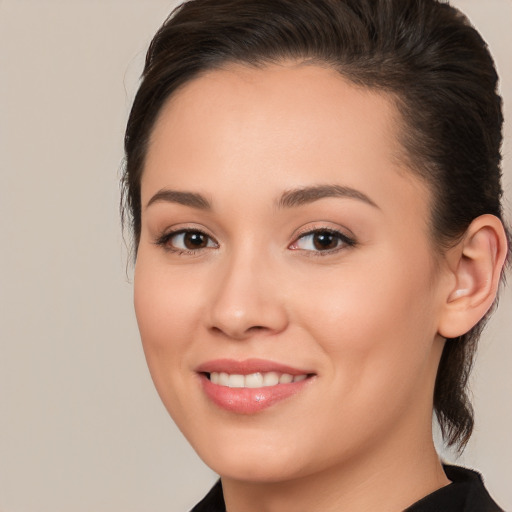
347,241
164,239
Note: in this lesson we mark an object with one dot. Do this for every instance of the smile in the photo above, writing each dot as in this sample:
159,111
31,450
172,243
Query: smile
254,380
252,385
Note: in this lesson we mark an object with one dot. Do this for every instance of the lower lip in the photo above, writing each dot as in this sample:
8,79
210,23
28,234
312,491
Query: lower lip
249,400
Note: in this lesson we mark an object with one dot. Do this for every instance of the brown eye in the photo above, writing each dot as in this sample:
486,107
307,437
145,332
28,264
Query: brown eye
195,240
322,240
186,241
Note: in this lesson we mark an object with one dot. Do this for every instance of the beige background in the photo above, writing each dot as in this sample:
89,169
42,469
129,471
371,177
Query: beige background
81,427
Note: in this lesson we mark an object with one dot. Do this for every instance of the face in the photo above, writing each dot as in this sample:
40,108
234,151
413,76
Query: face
285,286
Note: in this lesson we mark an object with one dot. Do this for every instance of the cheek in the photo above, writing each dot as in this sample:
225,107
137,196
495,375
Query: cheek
166,317
164,300
375,320
378,346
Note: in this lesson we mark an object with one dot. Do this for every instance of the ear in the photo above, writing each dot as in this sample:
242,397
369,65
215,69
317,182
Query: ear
475,266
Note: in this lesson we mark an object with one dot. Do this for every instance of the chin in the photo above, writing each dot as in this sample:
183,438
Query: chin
257,469
251,458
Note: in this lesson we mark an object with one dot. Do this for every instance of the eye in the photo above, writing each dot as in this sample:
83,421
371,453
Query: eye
322,240
186,241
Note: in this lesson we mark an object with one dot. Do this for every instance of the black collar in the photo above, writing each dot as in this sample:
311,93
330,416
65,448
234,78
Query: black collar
466,493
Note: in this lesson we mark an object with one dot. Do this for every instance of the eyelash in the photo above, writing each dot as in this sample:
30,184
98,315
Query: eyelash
164,241
344,241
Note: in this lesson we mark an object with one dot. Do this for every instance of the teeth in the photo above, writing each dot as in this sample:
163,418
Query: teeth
236,381
254,380
270,379
286,378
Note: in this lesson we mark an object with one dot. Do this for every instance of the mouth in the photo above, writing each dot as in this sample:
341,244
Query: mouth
250,386
253,380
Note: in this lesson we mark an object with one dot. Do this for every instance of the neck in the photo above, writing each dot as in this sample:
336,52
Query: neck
401,473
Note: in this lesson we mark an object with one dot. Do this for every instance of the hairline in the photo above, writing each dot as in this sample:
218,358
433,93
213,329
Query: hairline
408,165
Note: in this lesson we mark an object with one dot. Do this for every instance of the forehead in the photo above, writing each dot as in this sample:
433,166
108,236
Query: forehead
307,103
286,125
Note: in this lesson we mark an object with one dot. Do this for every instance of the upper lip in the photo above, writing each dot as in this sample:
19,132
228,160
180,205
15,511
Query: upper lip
248,366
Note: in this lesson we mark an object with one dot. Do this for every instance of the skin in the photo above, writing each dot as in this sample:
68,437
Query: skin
366,319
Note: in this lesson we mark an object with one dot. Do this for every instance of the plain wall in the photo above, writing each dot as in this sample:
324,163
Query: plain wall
81,427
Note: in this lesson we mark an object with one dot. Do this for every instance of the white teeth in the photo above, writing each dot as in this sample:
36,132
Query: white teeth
236,381
270,379
253,380
285,378
223,379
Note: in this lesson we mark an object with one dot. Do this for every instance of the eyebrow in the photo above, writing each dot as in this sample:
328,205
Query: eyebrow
306,195
191,199
289,199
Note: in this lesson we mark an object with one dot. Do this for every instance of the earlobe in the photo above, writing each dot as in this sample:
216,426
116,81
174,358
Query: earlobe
476,264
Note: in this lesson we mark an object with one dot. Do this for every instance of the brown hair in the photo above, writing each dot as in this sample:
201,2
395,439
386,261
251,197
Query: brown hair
423,52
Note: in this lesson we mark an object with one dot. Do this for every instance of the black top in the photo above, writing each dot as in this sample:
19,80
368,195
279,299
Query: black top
466,493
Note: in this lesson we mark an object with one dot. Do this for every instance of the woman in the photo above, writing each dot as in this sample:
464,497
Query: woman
314,191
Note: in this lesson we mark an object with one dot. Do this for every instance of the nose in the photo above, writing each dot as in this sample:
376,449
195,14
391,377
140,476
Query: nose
247,299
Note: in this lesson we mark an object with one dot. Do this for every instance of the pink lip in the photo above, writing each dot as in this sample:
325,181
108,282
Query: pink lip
249,400
247,367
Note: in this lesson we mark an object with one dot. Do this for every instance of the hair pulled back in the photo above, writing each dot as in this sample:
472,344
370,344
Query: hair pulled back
424,53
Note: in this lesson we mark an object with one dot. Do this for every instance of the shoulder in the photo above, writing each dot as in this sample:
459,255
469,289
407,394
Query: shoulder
466,493
213,501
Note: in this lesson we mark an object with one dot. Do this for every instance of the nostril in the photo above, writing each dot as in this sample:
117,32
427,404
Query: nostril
239,334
